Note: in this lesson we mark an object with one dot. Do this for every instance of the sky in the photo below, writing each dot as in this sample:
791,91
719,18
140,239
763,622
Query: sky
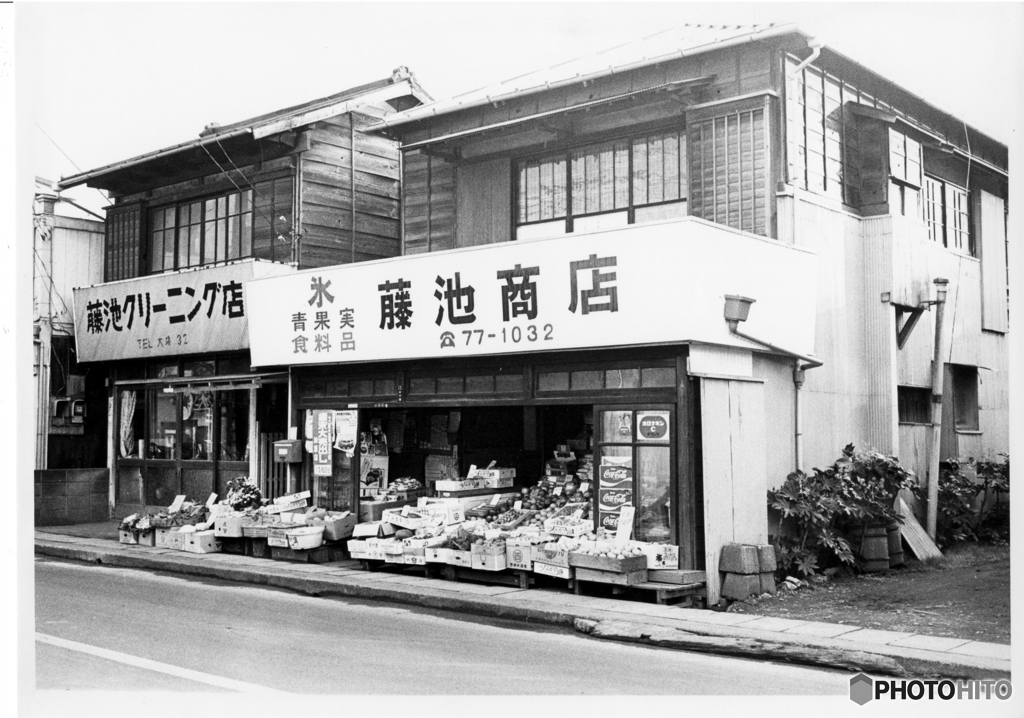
98,83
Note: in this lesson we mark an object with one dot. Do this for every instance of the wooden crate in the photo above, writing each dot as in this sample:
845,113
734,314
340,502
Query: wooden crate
314,555
619,579
603,563
679,576
258,547
229,544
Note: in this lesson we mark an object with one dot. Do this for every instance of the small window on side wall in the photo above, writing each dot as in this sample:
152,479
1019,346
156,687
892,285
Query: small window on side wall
964,391
914,404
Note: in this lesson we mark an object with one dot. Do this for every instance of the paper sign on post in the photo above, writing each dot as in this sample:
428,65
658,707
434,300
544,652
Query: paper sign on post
176,506
625,528
495,499
472,471
557,491
405,510
518,505
212,500
577,514
584,486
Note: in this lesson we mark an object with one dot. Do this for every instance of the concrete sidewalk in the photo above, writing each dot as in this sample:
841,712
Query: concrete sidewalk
833,645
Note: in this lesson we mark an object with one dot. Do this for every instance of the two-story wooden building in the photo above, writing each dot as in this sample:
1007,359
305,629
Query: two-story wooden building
190,226
570,241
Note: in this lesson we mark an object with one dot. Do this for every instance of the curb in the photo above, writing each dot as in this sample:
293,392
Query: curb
675,633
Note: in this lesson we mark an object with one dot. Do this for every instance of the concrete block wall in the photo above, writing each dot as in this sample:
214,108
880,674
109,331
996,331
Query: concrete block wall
71,496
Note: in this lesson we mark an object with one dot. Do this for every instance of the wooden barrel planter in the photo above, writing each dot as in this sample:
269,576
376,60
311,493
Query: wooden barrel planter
895,540
874,548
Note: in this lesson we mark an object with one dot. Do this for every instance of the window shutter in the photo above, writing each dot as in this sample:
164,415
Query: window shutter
122,244
991,229
728,170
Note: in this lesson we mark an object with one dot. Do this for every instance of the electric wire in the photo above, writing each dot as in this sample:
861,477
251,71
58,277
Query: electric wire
105,198
228,175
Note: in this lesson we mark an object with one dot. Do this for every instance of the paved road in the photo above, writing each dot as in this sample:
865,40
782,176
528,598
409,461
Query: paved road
125,629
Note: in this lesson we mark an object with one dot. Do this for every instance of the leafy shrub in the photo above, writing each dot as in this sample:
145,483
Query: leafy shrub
957,519
859,487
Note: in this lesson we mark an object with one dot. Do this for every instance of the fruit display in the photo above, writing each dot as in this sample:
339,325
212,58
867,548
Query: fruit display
405,483
608,550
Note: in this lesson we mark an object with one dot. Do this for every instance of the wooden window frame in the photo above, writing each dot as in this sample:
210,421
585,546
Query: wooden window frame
179,232
567,155
943,227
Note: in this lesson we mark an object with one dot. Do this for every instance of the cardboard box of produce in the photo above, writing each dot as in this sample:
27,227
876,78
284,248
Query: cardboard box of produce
411,519
339,525
147,537
373,529
176,540
465,502
202,542
459,485
427,542
497,483
438,555
126,536
162,537
415,556
278,535
551,554
519,553
447,515
488,562
604,563
494,473
568,527
358,549
548,569
461,558
231,526
659,555
374,510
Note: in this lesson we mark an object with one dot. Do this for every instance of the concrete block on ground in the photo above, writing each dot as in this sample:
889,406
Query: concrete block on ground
767,581
766,558
739,558
740,586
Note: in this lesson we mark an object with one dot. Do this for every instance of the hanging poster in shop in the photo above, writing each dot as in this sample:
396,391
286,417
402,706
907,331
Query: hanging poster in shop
650,284
608,520
615,499
323,432
652,425
346,431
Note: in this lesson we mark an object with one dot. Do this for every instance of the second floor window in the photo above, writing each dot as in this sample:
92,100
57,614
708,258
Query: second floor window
198,232
947,215
607,184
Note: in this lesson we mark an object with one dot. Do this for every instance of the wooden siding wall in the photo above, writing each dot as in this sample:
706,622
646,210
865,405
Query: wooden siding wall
779,408
77,262
337,227
735,457
429,204
483,202
835,396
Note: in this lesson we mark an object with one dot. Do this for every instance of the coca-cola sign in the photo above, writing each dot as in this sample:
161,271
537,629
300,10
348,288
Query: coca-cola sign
609,521
614,499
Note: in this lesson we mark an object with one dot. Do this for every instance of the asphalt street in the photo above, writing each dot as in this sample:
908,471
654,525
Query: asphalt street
115,629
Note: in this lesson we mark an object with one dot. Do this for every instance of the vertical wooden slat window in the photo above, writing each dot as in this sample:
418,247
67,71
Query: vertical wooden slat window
201,232
833,138
594,177
728,170
933,210
272,220
121,250
796,127
958,228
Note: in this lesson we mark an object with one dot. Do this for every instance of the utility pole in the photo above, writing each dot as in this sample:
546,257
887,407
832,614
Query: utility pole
938,371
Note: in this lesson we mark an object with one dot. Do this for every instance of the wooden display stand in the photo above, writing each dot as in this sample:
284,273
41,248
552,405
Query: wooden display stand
321,554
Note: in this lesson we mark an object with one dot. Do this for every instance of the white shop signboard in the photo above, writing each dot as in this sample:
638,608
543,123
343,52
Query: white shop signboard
188,312
648,284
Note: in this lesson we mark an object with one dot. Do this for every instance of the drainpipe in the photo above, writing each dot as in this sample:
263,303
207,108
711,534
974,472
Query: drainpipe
938,369
736,310
815,46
